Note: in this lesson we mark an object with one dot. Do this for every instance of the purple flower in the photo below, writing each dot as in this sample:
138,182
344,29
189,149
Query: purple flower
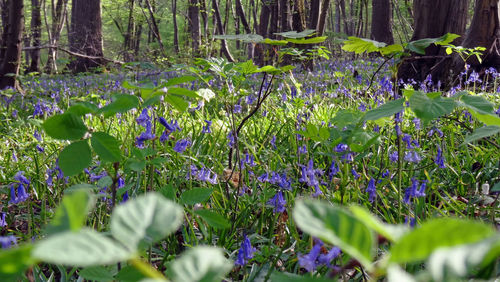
394,156
412,156
413,191
21,178
125,197
21,194
417,123
371,190
341,148
439,158
37,135
333,170
232,140
3,222
302,149
355,174
8,241
327,259
143,119
273,141
309,261
182,145
245,252
278,202
206,128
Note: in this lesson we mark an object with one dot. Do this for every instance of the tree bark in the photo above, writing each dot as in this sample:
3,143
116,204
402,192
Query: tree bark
9,68
381,21
434,18
86,34
194,25
128,39
154,26
36,35
59,15
314,14
220,28
320,28
176,29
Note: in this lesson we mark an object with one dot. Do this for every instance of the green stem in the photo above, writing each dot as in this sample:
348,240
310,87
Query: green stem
147,269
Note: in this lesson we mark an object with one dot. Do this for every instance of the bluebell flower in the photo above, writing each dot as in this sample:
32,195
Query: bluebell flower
355,174
327,259
21,178
413,191
125,197
249,160
348,157
385,173
182,145
263,178
278,202
143,119
309,261
14,157
8,241
376,128
273,142
341,148
37,135
250,99
237,109
309,174
3,222
435,131
412,221
206,128
21,194
302,149
371,190
245,252
439,158
412,156
417,123
333,170
232,140
394,156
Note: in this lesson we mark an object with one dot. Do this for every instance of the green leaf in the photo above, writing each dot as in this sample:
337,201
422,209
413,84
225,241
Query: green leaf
182,92
346,117
486,119
85,248
496,188
145,220
96,273
419,46
386,110
206,94
335,225
75,157
196,195
67,126
428,109
14,261
275,42
130,274
106,146
438,233
290,277
397,274
391,49
297,35
177,102
314,40
179,80
122,103
82,108
249,38
482,133
388,231
361,45
82,186
459,261
478,104
202,263
213,219
71,212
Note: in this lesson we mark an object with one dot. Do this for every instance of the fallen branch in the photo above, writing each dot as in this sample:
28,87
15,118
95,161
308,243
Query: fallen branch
73,53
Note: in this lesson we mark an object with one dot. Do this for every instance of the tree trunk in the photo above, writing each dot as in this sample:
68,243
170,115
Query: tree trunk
299,18
59,15
314,14
36,35
194,25
381,21
86,34
220,28
176,29
154,26
129,35
320,28
434,18
9,68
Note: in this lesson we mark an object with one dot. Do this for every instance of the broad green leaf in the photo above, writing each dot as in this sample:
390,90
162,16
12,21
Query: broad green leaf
489,119
128,85
129,274
388,231
266,69
290,277
71,212
177,102
81,186
337,226
396,274
82,108
386,110
250,38
96,273
428,109
482,133
206,94
275,42
454,262
179,80
314,40
361,45
106,147
135,165
478,104
151,101
438,233
14,261
145,220
297,35
419,46
195,196
213,219
202,263
67,126
75,157
121,103
391,49
346,117
85,248
182,92
496,188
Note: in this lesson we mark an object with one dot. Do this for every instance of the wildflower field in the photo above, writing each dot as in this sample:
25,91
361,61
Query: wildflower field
227,171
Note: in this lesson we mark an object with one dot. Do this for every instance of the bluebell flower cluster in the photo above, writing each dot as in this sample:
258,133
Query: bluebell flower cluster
245,253
206,128
203,174
316,258
3,221
414,191
20,187
309,176
371,190
144,120
181,145
439,158
57,172
278,202
276,178
8,241
169,128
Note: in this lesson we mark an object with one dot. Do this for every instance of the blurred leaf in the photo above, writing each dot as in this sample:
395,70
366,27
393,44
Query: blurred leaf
72,212
106,146
182,92
477,104
206,94
314,40
179,80
428,109
388,231
213,219
85,248
249,38
75,157
121,103
297,35
290,277
361,45
275,42
195,196
67,126
82,108
386,110
96,273
145,220
397,274
177,102
14,262
438,233
335,225
202,263
488,119
481,133
419,46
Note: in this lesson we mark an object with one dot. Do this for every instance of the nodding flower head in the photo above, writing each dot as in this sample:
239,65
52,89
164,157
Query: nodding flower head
245,252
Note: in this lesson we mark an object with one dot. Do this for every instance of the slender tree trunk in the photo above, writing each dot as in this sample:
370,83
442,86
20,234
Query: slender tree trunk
381,21
86,34
299,18
36,35
59,16
314,14
194,25
128,38
320,28
220,28
176,29
9,68
154,26
204,17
